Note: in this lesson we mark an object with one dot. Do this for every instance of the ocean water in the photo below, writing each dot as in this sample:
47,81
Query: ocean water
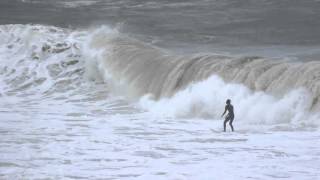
135,89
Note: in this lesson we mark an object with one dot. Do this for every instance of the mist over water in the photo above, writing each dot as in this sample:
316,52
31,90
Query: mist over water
136,89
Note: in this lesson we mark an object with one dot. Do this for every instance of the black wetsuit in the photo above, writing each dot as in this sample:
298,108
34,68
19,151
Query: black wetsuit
229,117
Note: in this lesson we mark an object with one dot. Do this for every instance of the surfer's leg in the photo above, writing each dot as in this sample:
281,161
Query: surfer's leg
225,124
230,123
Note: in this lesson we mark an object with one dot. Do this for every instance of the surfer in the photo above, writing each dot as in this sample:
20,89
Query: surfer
230,115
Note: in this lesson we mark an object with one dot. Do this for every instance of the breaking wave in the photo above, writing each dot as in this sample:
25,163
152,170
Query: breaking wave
41,59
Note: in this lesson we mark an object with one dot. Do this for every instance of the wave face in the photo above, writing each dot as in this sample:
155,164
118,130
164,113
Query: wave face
150,70
47,61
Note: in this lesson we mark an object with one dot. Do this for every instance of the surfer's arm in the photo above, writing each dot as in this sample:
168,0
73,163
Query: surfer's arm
225,110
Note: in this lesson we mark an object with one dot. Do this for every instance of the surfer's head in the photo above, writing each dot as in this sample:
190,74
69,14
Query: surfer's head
228,101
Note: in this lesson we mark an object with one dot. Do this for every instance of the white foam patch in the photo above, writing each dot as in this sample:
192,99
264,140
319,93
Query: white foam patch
206,99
